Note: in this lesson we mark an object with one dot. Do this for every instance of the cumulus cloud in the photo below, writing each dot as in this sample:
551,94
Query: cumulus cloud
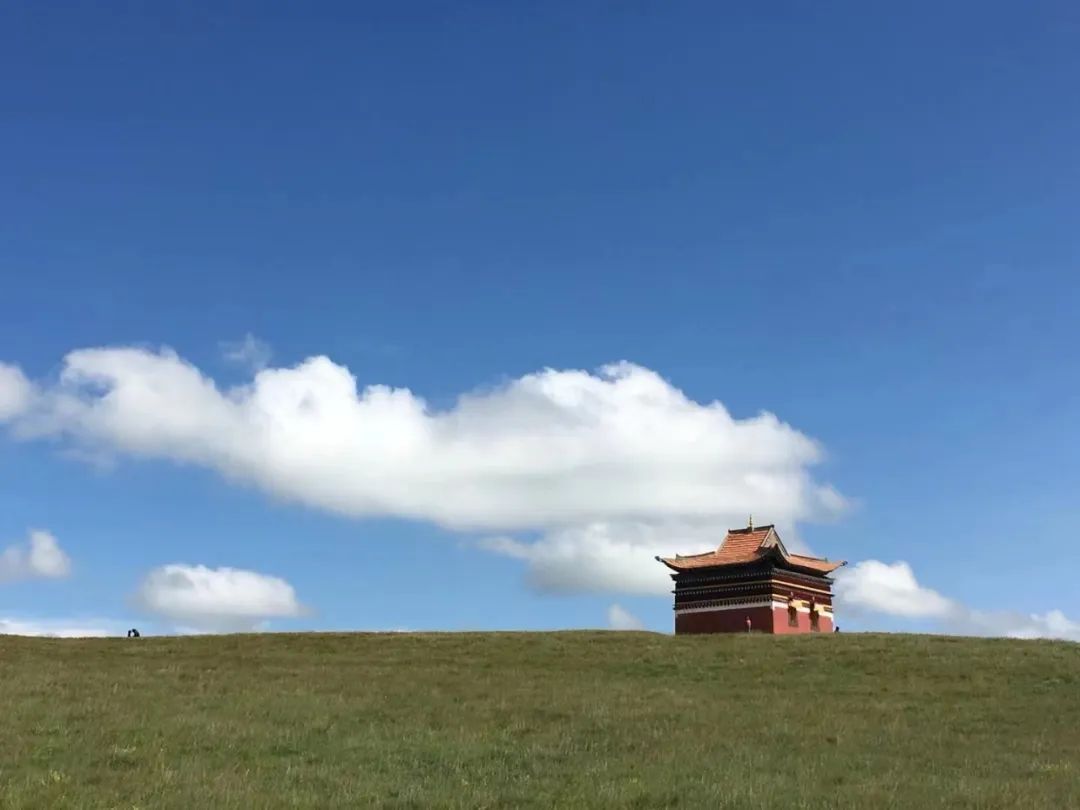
16,392
891,589
589,466
250,352
552,448
202,599
57,628
619,618
605,557
40,557
880,587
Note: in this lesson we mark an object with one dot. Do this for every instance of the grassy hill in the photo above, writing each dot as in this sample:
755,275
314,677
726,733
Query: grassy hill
539,720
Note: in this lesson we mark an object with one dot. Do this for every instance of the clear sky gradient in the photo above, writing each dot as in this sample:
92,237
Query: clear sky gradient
862,219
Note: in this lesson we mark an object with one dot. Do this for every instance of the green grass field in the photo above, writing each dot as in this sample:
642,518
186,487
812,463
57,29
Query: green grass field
539,720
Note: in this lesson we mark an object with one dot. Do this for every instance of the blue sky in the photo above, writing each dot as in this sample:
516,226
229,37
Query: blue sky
860,220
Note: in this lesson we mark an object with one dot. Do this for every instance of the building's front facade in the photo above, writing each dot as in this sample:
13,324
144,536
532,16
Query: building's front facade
752,583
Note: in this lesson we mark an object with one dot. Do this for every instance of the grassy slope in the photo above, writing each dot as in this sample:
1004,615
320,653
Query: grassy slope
539,720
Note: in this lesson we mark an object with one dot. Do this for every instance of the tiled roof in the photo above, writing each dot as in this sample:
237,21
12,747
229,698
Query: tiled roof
747,545
815,563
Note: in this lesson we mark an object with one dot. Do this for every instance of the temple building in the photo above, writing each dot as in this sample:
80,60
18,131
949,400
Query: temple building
752,583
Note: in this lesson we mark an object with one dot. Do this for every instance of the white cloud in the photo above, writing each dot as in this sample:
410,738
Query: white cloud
249,352
16,392
40,557
1053,624
57,628
554,454
889,588
552,448
872,586
606,557
200,599
621,619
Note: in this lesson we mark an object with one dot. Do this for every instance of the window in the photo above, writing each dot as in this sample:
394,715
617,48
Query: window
814,625
792,616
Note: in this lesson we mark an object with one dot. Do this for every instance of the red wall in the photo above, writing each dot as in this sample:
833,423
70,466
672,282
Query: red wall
726,621
762,619
780,623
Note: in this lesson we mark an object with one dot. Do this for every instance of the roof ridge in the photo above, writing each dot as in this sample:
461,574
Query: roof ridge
689,556
752,529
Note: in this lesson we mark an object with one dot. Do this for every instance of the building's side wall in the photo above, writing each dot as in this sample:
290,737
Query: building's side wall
763,619
781,621
730,620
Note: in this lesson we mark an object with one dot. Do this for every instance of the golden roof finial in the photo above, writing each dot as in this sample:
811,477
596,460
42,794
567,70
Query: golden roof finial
751,522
